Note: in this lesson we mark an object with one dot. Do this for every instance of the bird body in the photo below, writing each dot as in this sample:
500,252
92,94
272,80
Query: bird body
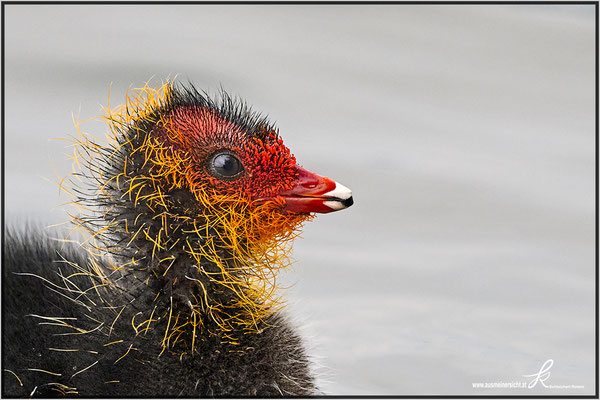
193,207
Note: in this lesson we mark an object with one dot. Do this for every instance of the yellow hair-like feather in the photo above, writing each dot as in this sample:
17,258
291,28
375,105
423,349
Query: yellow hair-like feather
246,242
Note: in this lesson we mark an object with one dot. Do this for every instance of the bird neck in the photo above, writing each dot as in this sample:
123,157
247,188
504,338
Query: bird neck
207,265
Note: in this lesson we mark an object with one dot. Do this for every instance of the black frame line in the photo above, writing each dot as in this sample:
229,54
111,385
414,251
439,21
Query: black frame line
317,3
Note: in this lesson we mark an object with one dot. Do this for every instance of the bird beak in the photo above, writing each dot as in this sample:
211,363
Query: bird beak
313,193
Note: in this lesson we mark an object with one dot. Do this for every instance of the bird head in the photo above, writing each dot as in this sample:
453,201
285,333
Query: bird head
229,154
200,199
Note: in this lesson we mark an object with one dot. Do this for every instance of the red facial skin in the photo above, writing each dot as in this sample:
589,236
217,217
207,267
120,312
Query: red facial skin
270,170
306,195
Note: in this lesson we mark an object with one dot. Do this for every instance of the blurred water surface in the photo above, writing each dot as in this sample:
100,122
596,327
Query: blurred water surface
465,132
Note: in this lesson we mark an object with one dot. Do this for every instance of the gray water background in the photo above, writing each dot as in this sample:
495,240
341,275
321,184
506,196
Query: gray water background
465,132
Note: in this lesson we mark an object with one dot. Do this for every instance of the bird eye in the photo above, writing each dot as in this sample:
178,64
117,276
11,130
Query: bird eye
225,165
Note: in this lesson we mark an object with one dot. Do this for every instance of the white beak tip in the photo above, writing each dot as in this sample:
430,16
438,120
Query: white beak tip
341,197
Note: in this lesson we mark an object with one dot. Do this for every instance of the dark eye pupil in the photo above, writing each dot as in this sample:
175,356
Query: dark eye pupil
226,165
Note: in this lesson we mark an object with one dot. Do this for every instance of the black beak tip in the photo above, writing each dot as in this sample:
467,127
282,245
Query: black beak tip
348,202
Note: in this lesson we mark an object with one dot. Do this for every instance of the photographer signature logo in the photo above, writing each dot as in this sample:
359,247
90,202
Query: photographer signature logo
541,376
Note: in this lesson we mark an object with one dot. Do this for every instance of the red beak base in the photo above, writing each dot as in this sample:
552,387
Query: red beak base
313,193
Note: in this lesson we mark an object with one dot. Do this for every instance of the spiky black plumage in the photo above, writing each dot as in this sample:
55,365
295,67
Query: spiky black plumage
154,314
39,285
